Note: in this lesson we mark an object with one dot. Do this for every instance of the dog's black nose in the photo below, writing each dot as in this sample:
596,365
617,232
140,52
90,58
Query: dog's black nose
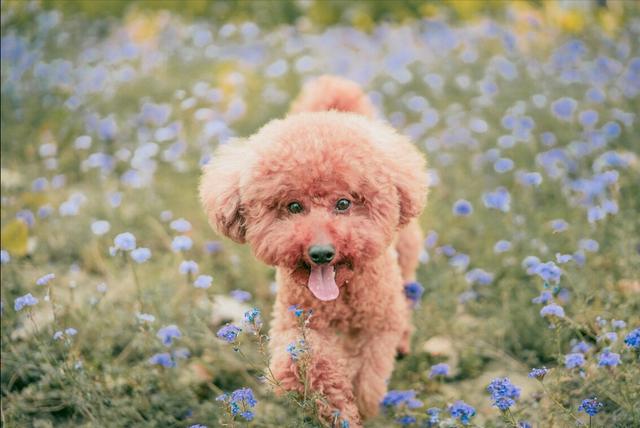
322,254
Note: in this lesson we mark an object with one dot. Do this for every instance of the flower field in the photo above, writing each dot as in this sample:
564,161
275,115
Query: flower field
121,307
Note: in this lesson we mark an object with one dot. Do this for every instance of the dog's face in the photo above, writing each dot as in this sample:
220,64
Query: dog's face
320,194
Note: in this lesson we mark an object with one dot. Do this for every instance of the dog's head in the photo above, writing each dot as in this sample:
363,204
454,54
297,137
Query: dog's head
320,194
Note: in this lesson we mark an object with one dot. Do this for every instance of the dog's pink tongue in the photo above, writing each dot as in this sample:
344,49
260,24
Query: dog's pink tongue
322,282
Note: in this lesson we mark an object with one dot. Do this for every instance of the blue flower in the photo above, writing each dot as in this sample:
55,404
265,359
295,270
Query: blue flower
531,179
591,406
141,255
462,208
125,241
538,373
479,276
58,335
552,310
4,257
406,420
70,331
181,243
203,281
296,349
503,393
498,199
100,227
548,271
434,416
563,108
545,297
145,317
632,339
240,295
559,225
46,279
563,258
413,291
462,411
213,247
588,118
253,320
229,333
582,347
180,225
26,300
610,336
168,333
296,310
188,267
164,359
502,246
608,359
396,398
589,245
239,402
441,369
503,165
574,360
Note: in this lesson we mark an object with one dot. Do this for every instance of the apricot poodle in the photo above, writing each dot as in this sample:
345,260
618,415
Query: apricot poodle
329,195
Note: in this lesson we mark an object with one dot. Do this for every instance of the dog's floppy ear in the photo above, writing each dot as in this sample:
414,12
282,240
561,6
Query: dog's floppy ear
220,188
407,168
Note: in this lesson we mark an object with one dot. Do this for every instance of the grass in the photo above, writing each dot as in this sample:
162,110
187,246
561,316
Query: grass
102,376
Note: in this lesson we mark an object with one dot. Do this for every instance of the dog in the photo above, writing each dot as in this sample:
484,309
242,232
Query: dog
330,196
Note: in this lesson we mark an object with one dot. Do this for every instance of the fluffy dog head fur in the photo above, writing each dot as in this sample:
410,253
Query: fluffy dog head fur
316,158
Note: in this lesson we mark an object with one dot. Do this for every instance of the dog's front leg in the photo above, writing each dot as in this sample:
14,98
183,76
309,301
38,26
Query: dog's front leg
376,358
320,371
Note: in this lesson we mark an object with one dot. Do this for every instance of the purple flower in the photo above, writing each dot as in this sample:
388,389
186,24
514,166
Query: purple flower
503,165
563,258
164,359
462,411
26,300
181,243
434,416
188,267
125,241
229,333
479,276
140,255
559,225
581,347
589,245
530,179
552,310
203,281
462,208
145,317
563,108
548,271
574,360
241,295
608,359
180,225
498,199
591,406
168,333
441,369
253,320
239,402
545,297
46,279
213,247
502,246
538,373
100,227
588,118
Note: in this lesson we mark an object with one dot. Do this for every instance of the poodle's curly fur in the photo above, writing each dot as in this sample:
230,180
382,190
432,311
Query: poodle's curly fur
329,147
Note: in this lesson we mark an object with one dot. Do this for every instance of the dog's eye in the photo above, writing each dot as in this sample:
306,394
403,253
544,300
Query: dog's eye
343,204
295,207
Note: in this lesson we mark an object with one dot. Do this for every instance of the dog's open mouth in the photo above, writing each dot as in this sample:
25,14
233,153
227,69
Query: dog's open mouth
322,282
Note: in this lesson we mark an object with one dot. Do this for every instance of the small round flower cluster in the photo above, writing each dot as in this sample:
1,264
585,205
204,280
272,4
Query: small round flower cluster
229,333
462,411
441,369
503,393
296,349
591,406
413,291
538,373
239,403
